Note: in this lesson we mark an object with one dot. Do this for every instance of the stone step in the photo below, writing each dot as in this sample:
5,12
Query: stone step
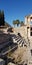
20,40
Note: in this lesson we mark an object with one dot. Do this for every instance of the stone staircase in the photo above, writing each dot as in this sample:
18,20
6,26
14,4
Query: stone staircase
19,40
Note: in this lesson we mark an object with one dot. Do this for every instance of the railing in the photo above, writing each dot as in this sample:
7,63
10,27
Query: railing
9,50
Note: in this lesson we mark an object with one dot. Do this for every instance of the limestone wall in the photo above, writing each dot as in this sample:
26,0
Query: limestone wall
22,30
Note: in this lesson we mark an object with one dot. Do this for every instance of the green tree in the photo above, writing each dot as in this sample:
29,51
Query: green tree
21,23
2,18
17,22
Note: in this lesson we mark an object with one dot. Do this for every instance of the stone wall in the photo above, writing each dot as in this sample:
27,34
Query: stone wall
22,30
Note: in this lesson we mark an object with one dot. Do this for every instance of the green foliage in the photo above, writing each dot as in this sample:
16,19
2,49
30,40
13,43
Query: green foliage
2,18
16,22
21,23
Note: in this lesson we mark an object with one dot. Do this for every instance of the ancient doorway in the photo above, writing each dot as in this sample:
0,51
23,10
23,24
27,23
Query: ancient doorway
30,31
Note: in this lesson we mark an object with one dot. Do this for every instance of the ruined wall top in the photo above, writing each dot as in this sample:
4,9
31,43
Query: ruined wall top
28,20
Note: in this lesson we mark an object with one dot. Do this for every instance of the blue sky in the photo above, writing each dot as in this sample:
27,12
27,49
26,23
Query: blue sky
16,9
